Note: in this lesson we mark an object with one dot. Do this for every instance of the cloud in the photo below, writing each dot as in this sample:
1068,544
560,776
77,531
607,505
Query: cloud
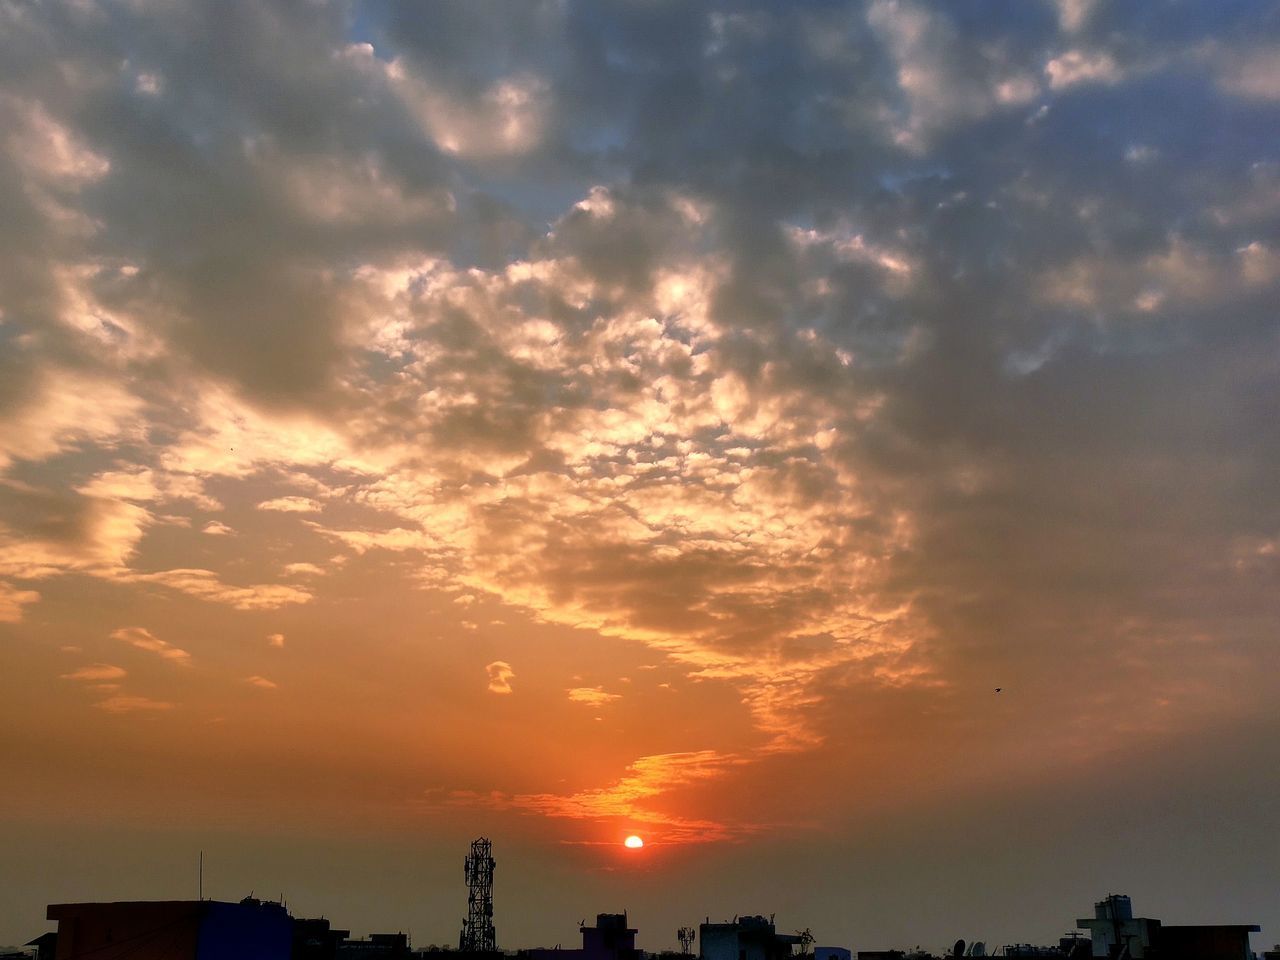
12,600
275,640
44,532
291,505
122,704
206,585
1251,73
500,676
636,798
96,672
304,569
262,683
1079,66
592,696
831,374
143,639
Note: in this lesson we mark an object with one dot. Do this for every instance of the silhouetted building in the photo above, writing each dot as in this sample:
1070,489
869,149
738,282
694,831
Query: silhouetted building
880,955
609,939
832,953
172,930
1116,933
383,946
746,938
315,939
45,945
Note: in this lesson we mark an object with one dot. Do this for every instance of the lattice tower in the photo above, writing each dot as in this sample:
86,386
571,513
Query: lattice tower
477,930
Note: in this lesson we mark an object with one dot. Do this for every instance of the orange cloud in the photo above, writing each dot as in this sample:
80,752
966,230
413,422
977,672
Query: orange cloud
500,676
634,798
592,696
12,600
95,672
132,704
143,639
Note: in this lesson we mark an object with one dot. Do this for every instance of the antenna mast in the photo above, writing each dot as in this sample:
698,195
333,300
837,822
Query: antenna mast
477,930
685,936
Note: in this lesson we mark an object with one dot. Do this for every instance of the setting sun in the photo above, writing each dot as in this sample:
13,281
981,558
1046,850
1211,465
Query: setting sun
634,842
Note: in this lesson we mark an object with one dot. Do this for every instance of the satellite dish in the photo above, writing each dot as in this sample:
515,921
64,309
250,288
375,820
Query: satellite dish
958,949
979,949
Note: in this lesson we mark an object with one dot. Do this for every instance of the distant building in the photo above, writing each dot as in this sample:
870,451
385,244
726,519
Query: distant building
609,939
172,930
315,939
746,938
383,946
1116,933
832,953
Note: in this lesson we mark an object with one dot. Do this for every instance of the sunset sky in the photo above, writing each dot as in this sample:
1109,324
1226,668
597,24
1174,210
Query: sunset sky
567,419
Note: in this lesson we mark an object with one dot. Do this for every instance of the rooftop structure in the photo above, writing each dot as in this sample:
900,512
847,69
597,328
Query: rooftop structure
746,938
172,930
609,939
1117,934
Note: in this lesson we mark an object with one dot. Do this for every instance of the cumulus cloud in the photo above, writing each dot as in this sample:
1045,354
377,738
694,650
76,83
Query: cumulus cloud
500,676
262,683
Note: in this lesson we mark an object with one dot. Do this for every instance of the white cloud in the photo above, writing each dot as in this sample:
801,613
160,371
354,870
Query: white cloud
275,640
1080,66
262,683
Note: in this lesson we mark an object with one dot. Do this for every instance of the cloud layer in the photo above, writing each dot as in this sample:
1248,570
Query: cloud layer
816,351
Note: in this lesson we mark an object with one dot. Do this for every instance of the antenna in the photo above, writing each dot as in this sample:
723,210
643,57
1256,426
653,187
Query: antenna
685,935
477,930
201,874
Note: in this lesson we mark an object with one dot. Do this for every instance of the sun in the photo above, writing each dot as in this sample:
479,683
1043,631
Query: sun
634,842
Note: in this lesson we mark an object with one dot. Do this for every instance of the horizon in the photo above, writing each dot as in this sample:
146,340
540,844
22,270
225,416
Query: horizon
834,442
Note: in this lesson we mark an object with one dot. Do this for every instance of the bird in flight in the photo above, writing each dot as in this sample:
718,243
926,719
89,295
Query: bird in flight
998,689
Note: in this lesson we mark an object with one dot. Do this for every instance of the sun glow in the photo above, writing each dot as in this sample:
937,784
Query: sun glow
634,842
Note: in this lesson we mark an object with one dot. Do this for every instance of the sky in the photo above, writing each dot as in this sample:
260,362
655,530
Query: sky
836,442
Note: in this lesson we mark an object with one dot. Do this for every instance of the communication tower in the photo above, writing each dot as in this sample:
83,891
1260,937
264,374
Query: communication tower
477,930
685,936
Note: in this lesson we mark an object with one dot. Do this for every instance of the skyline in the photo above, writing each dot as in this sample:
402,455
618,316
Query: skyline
834,442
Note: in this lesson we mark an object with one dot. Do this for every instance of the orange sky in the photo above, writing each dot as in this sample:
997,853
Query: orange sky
576,420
